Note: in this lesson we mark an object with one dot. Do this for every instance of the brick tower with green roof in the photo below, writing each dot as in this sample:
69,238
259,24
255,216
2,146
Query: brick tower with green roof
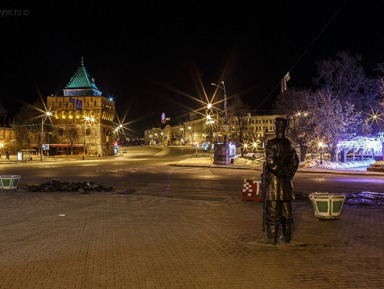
75,134
81,84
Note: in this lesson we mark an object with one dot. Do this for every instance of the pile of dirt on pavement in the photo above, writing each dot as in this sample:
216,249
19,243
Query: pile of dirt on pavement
58,186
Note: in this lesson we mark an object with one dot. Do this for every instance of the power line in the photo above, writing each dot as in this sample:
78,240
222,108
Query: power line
305,51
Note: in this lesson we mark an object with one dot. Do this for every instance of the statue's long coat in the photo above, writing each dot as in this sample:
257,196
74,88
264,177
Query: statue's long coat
282,163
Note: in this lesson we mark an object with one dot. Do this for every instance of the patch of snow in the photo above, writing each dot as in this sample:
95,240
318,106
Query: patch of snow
312,164
337,165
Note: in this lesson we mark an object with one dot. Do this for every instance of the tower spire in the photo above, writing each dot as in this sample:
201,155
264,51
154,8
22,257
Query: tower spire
82,61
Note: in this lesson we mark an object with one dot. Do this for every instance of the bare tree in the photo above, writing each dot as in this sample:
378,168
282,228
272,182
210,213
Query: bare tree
66,132
238,111
376,118
344,78
293,105
342,97
333,119
27,123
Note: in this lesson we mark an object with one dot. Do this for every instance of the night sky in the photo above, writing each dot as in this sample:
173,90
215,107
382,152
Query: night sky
151,54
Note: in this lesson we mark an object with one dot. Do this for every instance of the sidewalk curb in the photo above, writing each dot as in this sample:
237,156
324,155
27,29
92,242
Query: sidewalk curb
215,166
300,170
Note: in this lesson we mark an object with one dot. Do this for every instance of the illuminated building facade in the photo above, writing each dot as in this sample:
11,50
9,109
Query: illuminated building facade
7,140
198,131
82,119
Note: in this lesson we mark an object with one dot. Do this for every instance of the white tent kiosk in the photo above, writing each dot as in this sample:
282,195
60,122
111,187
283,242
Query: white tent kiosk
360,148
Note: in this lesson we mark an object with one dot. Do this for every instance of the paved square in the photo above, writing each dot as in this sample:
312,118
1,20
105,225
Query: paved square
109,240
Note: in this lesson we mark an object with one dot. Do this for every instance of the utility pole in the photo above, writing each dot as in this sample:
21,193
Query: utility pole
222,152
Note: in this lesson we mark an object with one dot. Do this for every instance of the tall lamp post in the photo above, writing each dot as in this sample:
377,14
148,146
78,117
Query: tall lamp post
44,117
162,138
1,148
191,134
225,107
321,145
86,120
221,153
182,139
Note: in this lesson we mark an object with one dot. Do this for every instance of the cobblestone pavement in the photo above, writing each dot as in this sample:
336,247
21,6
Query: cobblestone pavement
112,240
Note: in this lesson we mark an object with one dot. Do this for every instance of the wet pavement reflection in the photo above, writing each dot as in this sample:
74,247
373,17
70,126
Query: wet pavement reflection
360,180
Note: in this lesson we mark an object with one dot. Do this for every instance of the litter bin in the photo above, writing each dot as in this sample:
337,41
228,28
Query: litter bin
9,182
326,205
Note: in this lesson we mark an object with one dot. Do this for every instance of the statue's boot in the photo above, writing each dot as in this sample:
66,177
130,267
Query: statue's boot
287,232
271,234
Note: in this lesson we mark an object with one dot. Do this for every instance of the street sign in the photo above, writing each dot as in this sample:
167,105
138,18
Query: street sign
224,127
219,133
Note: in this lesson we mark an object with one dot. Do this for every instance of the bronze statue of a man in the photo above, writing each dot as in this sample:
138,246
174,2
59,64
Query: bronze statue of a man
281,164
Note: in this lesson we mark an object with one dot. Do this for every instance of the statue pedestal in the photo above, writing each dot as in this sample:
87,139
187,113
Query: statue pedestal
327,206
